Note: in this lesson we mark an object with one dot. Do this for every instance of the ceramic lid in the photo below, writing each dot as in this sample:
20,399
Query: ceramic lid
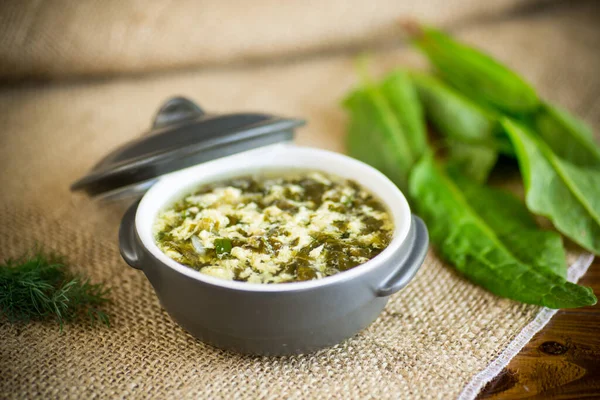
182,135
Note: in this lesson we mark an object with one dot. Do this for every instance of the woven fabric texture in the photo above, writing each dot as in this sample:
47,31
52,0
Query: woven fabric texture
98,37
430,341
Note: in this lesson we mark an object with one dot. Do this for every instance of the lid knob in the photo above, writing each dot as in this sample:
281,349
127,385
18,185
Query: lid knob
176,110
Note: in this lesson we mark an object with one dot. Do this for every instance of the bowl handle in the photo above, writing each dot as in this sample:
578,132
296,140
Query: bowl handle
127,239
411,264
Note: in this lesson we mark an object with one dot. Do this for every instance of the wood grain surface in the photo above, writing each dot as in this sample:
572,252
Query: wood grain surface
562,361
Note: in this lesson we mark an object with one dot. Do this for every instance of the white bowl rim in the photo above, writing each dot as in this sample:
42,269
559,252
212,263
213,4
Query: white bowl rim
172,186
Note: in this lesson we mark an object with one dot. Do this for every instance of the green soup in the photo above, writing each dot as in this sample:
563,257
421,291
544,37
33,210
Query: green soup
264,229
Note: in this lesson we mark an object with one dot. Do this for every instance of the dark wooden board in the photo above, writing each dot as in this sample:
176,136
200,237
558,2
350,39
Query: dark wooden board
562,361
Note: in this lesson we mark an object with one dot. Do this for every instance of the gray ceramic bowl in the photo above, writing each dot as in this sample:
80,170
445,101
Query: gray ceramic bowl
275,319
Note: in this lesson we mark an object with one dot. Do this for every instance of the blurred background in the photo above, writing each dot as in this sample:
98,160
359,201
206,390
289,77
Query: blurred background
62,39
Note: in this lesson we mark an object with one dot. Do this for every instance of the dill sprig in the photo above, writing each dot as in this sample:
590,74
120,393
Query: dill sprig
39,287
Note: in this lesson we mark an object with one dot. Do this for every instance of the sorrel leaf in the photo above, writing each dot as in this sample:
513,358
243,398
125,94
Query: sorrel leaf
474,73
472,133
568,137
566,194
482,251
386,128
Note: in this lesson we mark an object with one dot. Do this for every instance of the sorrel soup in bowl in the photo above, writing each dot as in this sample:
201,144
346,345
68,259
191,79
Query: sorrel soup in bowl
286,227
252,243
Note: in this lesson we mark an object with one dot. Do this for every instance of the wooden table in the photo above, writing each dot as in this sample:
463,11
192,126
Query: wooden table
562,361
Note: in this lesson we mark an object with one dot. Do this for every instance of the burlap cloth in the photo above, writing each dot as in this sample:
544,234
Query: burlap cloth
97,37
433,340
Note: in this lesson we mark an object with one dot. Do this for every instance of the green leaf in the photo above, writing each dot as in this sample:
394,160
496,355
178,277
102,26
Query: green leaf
369,137
490,242
403,99
474,160
453,114
222,246
473,134
386,128
568,137
510,220
476,74
566,194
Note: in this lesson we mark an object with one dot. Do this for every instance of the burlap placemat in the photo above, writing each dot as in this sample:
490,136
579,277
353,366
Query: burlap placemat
97,37
433,340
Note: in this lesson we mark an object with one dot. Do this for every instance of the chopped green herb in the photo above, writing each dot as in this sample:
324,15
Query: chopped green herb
222,246
39,287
